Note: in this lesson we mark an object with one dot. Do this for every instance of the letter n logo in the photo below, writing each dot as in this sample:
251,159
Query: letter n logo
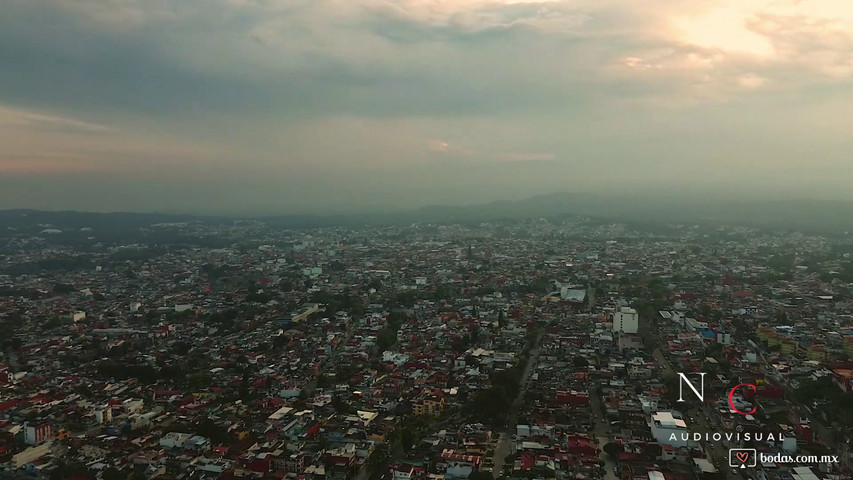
683,379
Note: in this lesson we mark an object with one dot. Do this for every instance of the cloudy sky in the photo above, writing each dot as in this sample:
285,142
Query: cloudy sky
304,106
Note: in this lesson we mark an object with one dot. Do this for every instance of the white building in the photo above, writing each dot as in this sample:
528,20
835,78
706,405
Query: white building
626,320
143,420
525,431
37,434
103,414
404,473
458,469
279,414
804,473
695,325
394,357
669,430
459,466
133,405
210,466
572,294
174,440
312,272
197,443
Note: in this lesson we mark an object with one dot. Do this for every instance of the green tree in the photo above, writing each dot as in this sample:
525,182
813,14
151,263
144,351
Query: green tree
112,473
444,291
210,429
612,449
407,439
62,288
68,470
52,324
378,459
340,406
386,338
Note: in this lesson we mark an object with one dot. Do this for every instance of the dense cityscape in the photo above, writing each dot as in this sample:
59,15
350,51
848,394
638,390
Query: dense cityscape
528,349
426,240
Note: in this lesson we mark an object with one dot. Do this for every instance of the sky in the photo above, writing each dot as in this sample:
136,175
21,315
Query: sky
336,106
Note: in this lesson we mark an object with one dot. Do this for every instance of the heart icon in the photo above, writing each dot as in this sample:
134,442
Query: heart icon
742,456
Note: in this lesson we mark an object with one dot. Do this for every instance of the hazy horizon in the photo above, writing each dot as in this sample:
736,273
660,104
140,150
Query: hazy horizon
331,106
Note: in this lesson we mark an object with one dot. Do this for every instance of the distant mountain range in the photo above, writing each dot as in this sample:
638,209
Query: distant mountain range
806,215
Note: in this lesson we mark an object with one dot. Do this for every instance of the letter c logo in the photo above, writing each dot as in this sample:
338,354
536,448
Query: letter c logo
732,401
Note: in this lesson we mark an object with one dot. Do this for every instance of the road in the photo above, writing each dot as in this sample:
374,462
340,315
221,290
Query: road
703,420
663,362
504,445
362,474
602,433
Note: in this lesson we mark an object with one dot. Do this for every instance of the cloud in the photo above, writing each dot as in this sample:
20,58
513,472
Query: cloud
288,90
25,118
438,146
34,143
415,21
375,57
821,45
750,80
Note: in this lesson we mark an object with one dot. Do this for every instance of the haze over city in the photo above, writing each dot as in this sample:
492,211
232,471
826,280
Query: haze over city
323,106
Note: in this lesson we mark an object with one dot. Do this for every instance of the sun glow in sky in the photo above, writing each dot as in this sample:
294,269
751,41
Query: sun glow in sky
736,25
724,28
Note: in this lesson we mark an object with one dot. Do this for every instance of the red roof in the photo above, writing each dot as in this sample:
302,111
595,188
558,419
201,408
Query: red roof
528,461
473,459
